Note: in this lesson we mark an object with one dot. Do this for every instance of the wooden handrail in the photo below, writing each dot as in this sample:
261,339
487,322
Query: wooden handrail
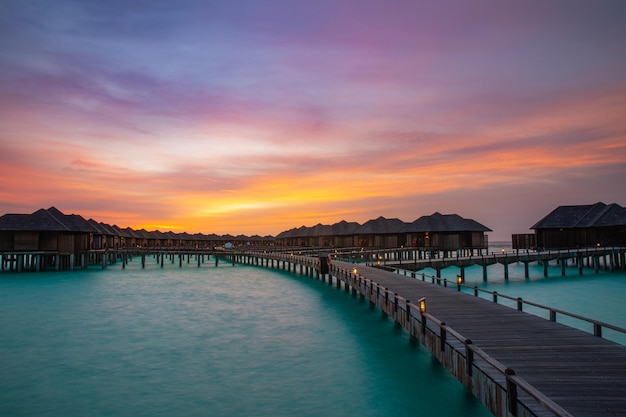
412,311
597,324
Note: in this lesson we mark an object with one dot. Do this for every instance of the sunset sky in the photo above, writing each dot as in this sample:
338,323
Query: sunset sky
257,116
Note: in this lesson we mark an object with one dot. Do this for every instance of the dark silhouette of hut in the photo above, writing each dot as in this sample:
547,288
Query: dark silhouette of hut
45,230
579,226
381,233
447,232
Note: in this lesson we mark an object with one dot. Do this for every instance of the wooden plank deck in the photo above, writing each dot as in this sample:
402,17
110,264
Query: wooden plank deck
584,374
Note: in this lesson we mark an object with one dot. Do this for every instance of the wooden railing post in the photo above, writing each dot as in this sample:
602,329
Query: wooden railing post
552,315
407,319
597,330
395,306
511,392
469,360
442,335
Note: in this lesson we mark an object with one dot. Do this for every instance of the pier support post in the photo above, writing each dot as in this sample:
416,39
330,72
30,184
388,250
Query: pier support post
580,266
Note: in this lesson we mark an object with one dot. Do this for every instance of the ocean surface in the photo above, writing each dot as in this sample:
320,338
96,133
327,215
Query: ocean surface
210,341
600,296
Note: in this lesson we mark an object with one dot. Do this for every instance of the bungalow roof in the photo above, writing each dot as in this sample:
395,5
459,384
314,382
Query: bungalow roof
110,231
319,230
381,225
344,228
583,216
42,220
438,222
132,233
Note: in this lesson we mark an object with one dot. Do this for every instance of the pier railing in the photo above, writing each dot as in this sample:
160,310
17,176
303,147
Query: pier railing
499,387
597,325
435,335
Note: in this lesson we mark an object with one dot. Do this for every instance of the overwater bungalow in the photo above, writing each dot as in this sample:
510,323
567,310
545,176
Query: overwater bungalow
582,226
44,230
381,233
344,234
447,232
437,232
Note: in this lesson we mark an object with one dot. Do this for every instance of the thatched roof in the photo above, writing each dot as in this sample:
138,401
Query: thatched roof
50,220
438,222
344,228
381,226
583,216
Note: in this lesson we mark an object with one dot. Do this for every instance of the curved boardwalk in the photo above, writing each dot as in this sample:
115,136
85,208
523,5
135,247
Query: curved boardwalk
583,374
516,363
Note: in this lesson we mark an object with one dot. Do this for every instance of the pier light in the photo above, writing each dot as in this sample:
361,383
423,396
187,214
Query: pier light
354,270
422,305
459,281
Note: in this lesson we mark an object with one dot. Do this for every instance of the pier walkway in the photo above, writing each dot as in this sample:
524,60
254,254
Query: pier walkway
416,259
516,363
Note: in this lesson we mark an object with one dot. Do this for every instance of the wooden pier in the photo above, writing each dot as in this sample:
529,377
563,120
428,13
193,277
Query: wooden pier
417,259
516,363
36,261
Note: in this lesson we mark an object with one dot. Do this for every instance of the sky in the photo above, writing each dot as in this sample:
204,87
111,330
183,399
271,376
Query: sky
254,117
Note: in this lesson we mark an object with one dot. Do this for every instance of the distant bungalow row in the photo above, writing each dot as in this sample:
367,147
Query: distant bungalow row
50,230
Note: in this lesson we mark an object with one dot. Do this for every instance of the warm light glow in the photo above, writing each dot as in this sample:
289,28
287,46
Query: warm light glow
459,279
354,271
422,305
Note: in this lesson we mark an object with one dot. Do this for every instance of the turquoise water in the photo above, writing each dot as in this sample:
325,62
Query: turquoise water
225,341
599,296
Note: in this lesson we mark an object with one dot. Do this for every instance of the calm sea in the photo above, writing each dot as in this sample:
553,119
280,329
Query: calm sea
225,341
599,296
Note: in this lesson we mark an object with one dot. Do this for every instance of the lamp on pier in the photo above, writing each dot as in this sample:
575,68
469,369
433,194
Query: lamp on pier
459,281
422,305
354,270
